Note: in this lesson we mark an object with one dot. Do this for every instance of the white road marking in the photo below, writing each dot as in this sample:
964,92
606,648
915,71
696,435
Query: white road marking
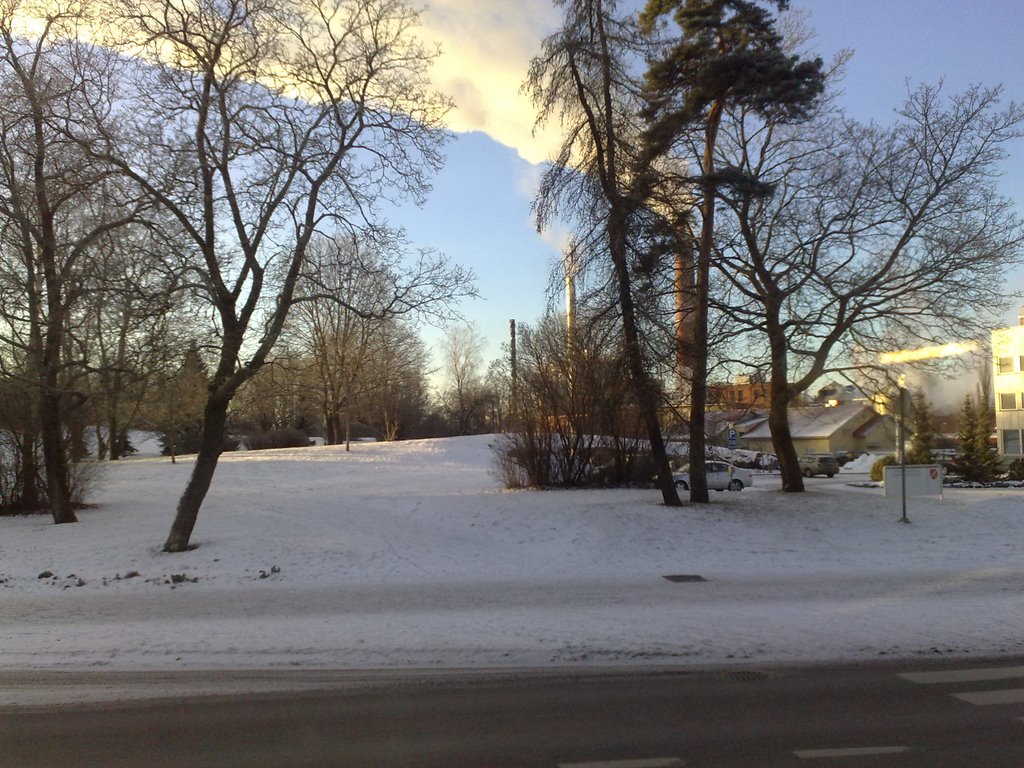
964,675
810,754
650,762
984,698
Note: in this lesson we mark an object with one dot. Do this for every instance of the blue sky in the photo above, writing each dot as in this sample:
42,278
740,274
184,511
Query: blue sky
479,211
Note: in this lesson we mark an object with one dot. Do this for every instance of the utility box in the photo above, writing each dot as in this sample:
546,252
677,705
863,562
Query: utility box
921,480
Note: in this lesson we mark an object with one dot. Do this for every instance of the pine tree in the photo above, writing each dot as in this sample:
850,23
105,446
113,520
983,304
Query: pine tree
978,460
965,459
181,406
728,55
986,453
924,434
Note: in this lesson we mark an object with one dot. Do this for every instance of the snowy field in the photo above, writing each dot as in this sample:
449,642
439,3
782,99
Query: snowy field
410,555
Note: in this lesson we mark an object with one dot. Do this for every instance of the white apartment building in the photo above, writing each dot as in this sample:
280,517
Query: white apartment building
1008,387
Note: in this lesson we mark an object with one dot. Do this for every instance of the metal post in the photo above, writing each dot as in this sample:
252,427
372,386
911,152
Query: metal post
514,365
903,454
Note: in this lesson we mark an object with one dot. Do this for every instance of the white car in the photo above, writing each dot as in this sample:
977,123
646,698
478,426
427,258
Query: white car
721,477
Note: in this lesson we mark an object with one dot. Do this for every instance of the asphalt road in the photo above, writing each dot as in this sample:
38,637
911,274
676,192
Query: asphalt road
907,715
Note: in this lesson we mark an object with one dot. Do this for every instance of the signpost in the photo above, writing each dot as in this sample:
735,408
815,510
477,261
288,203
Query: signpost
903,480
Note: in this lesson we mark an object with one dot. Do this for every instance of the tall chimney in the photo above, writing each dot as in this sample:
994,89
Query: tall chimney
569,263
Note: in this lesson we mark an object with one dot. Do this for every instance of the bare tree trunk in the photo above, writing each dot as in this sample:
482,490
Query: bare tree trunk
684,320
643,387
28,488
101,443
331,436
782,439
699,387
54,457
211,445
778,409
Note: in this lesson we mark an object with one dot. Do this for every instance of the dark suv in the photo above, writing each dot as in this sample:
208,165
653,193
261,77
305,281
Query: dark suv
819,464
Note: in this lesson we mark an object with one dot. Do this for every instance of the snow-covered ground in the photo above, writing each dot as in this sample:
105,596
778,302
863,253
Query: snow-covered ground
410,555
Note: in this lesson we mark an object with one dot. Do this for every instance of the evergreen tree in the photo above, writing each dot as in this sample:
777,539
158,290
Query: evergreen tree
965,436
180,412
978,460
924,434
985,450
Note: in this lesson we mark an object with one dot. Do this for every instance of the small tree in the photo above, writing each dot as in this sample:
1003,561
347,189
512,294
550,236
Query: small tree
179,411
978,460
577,421
924,434
465,398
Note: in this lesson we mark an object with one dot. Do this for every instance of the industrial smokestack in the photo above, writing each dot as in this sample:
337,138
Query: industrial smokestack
570,293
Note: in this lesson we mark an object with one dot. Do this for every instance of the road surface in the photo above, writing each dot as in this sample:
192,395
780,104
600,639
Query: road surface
906,715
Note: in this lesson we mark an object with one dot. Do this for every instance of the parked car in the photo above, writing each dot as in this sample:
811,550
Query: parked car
812,464
721,477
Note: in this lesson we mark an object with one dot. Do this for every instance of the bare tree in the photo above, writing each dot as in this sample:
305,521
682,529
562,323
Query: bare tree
399,403
56,203
577,423
583,77
354,296
463,354
259,124
122,330
875,238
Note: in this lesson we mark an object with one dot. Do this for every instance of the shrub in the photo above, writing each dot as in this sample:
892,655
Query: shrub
1015,470
278,438
878,468
181,440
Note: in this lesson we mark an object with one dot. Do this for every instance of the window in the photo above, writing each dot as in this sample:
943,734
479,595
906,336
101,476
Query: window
1007,401
1004,364
1011,441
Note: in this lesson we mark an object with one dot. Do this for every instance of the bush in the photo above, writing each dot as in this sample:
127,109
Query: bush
1015,471
278,438
576,422
878,468
181,440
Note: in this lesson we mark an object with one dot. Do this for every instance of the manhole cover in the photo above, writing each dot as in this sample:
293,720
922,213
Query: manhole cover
683,577
747,676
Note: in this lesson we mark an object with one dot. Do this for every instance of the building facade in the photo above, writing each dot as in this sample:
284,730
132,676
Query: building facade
744,392
1008,388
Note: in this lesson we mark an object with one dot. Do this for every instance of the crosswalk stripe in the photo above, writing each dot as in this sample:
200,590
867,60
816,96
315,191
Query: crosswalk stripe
650,762
964,675
810,754
984,698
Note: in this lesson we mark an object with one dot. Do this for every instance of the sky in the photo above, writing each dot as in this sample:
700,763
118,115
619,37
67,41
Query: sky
479,211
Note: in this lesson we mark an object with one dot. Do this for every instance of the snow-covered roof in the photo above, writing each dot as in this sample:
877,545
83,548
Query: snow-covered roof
817,421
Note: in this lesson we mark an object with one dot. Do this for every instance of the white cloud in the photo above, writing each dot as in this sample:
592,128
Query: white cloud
486,50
